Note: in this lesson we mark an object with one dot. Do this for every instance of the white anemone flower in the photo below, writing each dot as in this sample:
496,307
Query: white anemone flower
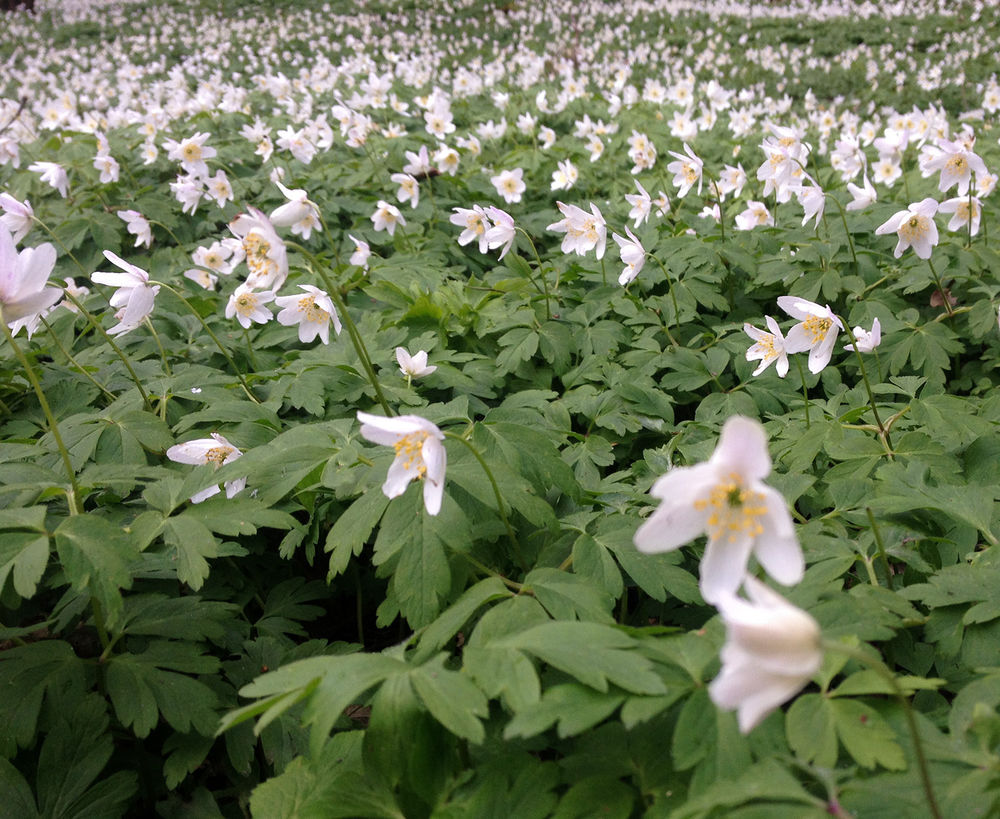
420,455
816,331
726,498
134,296
769,347
413,366
23,279
866,341
215,450
771,652
915,228
312,312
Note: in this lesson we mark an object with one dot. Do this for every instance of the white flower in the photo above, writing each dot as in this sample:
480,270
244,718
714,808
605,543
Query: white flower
191,153
265,253
409,188
769,347
386,217
138,226
771,652
215,450
863,197
816,332
133,298
584,231
642,205
414,366
54,174
248,306
726,498
756,214
957,163
299,212
17,216
361,252
962,209
311,312
813,201
502,233
915,228
565,176
866,341
686,170
474,223
509,184
632,254
108,166
420,455
219,189
23,279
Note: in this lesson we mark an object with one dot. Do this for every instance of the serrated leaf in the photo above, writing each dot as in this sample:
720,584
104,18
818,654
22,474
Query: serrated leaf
809,727
96,556
866,736
194,543
576,708
352,529
452,698
25,556
594,654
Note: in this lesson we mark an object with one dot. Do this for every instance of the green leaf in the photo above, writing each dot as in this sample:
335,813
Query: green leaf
454,617
568,596
185,752
517,345
594,562
352,529
866,735
575,708
96,556
25,556
18,801
809,727
194,542
452,698
593,653
143,686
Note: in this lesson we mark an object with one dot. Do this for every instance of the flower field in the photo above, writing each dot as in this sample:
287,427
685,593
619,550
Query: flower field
483,409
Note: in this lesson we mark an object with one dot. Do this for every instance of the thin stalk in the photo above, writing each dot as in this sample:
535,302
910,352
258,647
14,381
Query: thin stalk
111,343
541,272
944,296
843,219
805,390
73,495
673,298
881,548
500,504
159,345
215,338
173,236
880,668
883,430
59,242
714,185
352,330
510,584
75,363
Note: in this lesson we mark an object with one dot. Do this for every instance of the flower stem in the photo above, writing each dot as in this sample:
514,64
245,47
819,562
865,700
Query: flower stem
673,298
944,296
805,390
59,242
541,273
75,363
73,494
173,236
883,430
881,547
843,218
215,338
500,504
714,185
880,668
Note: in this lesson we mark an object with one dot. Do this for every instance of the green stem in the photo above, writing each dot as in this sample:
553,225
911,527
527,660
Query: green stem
59,242
159,345
541,274
883,430
168,230
673,298
843,219
805,390
102,632
73,495
881,548
511,584
880,668
714,185
937,282
75,363
215,338
111,343
500,504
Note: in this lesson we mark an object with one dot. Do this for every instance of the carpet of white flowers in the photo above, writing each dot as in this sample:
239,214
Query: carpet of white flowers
499,409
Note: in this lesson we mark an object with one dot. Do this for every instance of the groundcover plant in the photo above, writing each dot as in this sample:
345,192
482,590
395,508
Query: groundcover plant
516,410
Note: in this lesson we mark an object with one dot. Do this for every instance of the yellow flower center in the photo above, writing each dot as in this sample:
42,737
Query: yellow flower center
191,152
218,454
310,312
409,448
817,328
734,511
914,228
256,248
246,303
